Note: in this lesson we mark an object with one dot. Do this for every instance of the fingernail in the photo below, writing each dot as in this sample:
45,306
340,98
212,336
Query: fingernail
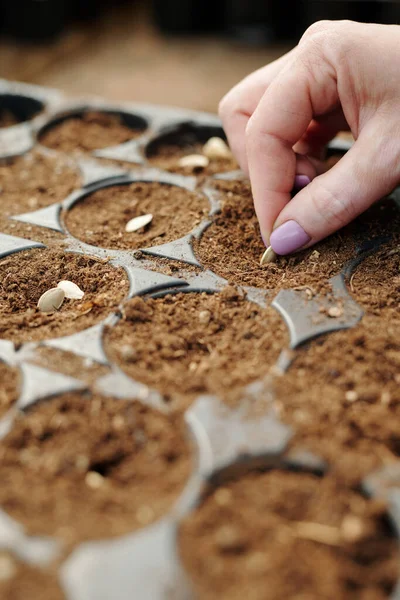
300,182
264,239
288,237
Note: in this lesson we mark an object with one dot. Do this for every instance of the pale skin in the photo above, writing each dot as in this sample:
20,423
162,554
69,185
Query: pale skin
342,76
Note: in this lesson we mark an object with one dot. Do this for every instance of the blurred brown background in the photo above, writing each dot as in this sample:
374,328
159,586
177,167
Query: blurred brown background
178,52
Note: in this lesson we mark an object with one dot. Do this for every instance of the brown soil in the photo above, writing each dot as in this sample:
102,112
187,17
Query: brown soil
25,276
168,156
282,535
342,396
19,581
167,344
32,232
100,218
69,364
376,282
63,482
91,131
34,181
232,246
7,118
9,387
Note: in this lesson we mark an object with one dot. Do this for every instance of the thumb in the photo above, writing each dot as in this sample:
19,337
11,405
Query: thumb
369,171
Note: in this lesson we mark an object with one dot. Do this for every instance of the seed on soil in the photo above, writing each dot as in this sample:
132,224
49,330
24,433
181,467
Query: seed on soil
195,161
216,149
335,312
268,256
204,317
353,529
94,480
351,396
71,290
138,223
51,300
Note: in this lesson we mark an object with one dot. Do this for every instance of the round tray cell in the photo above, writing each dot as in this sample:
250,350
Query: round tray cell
189,344
34,181
19,581
15,109
26,275
375,282
342,396
81,467
282,534
100,218
232,245
88,130
9,387
165,151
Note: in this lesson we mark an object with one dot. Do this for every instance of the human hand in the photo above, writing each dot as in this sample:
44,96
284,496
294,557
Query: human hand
342,75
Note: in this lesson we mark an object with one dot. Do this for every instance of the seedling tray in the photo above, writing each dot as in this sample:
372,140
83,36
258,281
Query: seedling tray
233,428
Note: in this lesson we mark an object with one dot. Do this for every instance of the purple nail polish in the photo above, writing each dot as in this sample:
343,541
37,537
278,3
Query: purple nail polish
300,182
288,237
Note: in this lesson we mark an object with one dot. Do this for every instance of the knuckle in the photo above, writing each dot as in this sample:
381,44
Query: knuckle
331,207
317,29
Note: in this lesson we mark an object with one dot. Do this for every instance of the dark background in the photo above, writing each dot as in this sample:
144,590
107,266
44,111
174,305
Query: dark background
178,52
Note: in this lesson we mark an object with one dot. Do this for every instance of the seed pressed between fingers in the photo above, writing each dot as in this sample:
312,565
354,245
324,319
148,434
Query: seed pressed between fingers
268,256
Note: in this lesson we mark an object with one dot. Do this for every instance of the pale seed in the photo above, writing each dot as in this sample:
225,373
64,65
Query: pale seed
335,312
138,223
352,529
351,396
51,300
268,256
204,317
94,480
216,149
195,161
71,290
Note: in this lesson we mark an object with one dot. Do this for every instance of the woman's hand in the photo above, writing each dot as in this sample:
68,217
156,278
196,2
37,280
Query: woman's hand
342,75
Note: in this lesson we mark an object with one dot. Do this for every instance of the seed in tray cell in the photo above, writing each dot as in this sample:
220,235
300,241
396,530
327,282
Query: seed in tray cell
71,290
268,256
51,300
195,161
216,149
138,223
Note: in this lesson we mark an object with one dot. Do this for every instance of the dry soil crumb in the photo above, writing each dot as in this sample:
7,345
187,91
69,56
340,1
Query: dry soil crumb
232,246
26,275
9,387
100,218
375,283
33,181
19,581
81,467
190,343
254,538
342,396
91,131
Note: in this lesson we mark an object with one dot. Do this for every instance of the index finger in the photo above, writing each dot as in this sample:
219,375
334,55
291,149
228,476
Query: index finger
305,88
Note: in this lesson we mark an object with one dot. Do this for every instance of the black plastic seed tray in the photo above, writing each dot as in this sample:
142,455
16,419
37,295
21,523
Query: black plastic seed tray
145,564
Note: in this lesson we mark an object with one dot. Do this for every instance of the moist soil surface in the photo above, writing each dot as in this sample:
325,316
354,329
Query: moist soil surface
34,181
9,387
26,275
277,535
167,157
84,467
100,218
19,581
342,397
232,246
189,344
91,131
